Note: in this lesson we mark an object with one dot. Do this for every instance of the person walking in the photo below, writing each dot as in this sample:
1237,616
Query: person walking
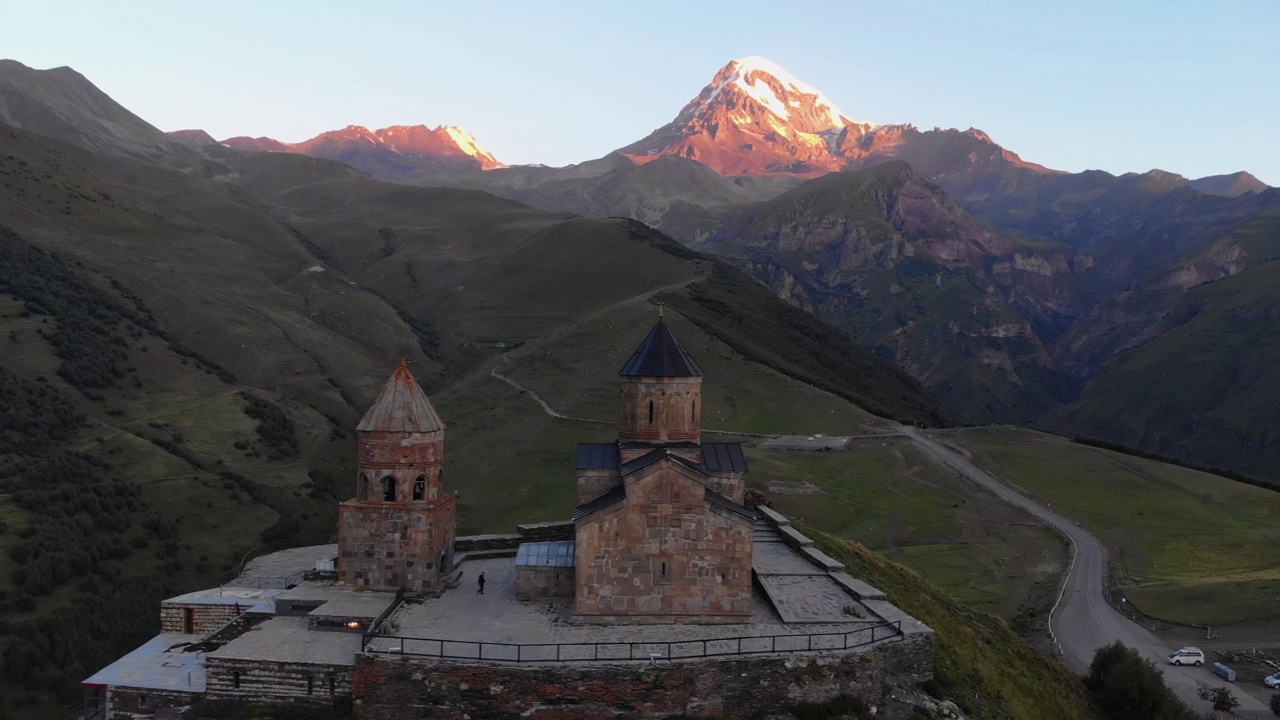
481,590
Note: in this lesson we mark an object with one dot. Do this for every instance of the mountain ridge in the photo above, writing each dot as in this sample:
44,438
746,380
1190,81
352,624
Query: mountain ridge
385,153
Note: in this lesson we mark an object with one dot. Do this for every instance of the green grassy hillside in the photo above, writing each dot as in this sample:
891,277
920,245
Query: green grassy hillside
1188,547
131,468
885,495
1205,388
980,663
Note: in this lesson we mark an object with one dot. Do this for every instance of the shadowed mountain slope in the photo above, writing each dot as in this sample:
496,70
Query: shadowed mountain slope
898,264
62,104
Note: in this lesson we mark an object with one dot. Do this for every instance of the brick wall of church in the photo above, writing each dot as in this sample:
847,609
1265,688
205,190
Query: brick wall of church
404,456
663,555
385,547
661,410
729,484
594,483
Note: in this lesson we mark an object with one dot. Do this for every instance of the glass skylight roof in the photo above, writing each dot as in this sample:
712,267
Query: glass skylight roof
558,553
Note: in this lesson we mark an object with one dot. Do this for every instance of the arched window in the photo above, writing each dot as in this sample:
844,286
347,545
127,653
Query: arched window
420,488
362,487
389,488
650,412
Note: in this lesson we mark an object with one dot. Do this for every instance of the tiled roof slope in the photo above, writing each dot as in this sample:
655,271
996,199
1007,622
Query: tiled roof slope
401,407
661,355
598,456
723,457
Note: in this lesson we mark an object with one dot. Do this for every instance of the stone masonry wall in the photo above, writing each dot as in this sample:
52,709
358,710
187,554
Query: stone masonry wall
206,619
404,456
746,688
596,482
264,681
546,531
533,583
130,703
729,484
676,414
663,553
389,546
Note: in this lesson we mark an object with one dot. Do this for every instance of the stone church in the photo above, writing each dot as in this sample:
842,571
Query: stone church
660,531
660,537
398,531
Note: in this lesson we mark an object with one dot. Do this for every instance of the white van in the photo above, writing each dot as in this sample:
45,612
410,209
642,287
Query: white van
1187,656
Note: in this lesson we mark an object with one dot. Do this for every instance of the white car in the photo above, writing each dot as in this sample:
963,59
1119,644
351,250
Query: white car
1187,656
1272,681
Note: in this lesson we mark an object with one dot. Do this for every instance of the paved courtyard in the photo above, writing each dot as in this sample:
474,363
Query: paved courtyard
797,606
813,613
284,567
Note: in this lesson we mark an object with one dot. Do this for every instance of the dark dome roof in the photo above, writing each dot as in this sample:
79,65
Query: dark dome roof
661,355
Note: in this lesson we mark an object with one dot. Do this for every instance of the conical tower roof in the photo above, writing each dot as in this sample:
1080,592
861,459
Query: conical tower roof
401,407
661,355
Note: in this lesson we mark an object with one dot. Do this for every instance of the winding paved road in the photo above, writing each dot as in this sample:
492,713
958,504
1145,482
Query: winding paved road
1082,621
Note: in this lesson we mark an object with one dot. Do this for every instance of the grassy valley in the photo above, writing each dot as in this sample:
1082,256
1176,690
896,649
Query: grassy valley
883,494
1186,546
980,663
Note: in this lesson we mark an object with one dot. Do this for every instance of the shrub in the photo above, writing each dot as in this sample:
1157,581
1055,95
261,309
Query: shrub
1125,686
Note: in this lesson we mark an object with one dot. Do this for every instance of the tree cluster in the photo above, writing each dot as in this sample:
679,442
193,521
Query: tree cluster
274,427
33,416
1125,686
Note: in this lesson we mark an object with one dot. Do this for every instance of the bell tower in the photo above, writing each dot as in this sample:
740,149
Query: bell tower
661,395
398,530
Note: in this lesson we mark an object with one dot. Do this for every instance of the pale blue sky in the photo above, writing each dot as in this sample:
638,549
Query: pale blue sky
1124,85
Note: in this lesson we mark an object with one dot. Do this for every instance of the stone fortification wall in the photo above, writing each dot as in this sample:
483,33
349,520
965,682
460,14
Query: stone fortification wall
531,532
749,687
546,532
206,619
274,682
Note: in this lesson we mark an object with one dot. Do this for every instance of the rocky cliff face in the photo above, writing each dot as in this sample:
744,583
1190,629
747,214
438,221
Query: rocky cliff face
895,261
194,138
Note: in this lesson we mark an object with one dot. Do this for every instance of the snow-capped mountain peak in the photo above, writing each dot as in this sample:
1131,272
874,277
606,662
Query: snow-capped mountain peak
756,118
388,152
771,85
467,143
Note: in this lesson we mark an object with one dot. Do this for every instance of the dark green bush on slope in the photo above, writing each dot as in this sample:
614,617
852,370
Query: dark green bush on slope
1125,686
